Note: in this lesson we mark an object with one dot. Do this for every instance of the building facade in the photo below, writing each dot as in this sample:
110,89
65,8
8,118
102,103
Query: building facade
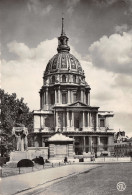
65,106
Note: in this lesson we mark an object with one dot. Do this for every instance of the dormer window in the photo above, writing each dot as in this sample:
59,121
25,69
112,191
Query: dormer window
73,65
63,62
54,65
63,79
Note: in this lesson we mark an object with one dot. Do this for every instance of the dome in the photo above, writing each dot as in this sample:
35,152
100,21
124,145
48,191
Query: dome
63,61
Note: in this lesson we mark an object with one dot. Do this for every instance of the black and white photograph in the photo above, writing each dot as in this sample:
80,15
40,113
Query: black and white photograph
66,97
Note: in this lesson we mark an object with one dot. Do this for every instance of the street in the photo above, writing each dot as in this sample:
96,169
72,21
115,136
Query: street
99,181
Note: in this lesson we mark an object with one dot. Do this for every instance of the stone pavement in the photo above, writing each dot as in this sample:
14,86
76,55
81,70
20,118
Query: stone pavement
18,183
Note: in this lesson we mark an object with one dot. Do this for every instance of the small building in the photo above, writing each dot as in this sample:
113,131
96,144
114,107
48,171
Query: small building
122,145
65,106
60,146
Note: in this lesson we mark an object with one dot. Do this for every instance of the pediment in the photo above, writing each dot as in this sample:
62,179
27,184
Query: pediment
78,104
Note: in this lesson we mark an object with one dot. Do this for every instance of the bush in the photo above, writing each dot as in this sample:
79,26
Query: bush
2,161
25,163
39,160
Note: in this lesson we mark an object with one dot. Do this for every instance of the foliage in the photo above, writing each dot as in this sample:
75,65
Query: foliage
13,110
39,160
25,163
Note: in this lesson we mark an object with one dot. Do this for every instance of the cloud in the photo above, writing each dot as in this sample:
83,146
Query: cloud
24,74
122,28
104,3
113,53
71,4
38,7
24,52
20,49
124,81
24,77
129,7
123,122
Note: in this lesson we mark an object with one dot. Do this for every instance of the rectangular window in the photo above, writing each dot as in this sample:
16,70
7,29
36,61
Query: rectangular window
74,97
102,122
64,98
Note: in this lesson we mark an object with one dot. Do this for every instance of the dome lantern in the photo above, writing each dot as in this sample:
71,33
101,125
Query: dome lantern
63,41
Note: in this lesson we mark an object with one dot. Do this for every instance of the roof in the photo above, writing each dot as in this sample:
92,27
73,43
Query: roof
106,113
63,61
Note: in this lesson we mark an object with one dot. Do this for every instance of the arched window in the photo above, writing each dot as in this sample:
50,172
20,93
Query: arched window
53,79
63,79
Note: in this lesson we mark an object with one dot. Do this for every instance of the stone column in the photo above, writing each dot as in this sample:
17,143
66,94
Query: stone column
68,119
55,96
82,96
40,101
90,144
98,142
88,120
69,96
83,120
73,120
97,126
91,120
44,97
59,96
44,121
64,121
47,96
85,101
56,120
89,99
86,97
84,145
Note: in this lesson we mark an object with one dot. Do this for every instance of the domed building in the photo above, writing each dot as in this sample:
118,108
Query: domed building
65,109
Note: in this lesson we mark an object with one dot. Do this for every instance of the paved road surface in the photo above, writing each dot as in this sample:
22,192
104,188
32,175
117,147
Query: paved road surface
99,181
14,184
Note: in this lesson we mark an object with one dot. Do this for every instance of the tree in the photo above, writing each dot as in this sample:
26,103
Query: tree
14,110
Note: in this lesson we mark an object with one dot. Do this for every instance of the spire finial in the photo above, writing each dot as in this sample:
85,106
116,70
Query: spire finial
62,30
63,40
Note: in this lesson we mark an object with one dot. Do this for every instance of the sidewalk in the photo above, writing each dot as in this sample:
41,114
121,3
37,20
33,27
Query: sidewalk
18,183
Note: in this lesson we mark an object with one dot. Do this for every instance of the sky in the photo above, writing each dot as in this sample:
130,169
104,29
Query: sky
100,37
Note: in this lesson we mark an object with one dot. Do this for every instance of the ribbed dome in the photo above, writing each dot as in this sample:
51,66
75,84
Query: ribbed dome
63,61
